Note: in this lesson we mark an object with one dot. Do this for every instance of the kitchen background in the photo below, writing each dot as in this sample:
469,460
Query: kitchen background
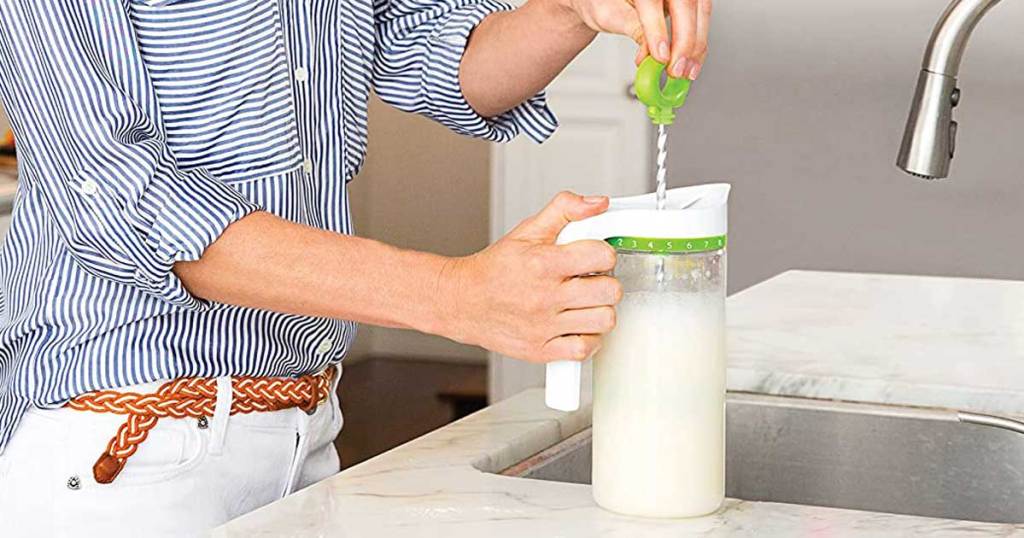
801,107
8,173
5,127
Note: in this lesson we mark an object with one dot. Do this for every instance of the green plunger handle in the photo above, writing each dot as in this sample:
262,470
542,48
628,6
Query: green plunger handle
661,101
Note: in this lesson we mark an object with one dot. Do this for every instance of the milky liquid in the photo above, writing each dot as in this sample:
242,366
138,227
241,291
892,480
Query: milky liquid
659,406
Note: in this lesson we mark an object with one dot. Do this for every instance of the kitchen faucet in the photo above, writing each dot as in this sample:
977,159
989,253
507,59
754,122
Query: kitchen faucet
930,137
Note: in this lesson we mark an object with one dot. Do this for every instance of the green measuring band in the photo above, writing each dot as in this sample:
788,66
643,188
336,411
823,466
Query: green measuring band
668,246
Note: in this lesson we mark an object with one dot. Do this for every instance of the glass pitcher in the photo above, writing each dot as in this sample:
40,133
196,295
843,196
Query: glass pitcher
659,388
659,379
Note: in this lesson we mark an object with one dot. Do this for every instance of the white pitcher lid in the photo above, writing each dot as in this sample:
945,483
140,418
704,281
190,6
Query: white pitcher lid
694,219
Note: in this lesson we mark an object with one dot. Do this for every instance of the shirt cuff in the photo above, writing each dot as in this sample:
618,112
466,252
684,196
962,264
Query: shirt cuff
190,212
445,100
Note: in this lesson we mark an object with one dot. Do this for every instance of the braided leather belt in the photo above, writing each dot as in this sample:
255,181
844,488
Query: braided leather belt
193,397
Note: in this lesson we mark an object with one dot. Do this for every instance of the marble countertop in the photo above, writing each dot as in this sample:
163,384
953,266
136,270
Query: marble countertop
921,341
953,343
439,485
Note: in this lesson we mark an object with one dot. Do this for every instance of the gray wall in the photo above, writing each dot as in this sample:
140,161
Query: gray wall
801,107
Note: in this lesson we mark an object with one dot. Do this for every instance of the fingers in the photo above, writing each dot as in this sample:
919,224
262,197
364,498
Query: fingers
566,207
703,29
576,347
652,18
641,52
597,320
584,258
590,291
684,36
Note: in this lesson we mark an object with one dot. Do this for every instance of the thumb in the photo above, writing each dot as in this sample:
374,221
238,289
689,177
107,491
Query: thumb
566,207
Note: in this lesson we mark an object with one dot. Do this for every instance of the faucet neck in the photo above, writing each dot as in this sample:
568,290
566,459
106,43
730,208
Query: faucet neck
949,39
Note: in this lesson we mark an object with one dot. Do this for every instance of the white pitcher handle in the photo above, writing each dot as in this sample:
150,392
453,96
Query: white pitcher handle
562,385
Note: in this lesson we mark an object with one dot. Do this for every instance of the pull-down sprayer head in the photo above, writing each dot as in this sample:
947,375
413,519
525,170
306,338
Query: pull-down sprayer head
930,137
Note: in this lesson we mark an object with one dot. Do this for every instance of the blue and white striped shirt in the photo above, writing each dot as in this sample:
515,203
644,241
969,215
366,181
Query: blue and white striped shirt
146,127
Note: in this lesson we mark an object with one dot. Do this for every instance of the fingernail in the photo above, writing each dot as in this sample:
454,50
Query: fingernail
694,71
593,199
679,68
663,51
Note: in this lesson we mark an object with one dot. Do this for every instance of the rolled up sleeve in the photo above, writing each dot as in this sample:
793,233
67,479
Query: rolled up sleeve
416,68
83,103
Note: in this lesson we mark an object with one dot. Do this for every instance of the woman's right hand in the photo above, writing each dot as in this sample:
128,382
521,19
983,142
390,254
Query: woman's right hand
528,298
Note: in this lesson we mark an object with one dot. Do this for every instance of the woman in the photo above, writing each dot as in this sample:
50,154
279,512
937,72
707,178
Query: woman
179,282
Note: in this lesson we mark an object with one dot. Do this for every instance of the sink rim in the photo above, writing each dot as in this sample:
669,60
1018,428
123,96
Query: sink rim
888,459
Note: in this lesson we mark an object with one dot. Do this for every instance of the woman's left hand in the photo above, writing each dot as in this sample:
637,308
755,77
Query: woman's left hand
644,21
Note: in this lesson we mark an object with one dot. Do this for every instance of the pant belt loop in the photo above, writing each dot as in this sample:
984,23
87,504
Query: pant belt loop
221,415
301,447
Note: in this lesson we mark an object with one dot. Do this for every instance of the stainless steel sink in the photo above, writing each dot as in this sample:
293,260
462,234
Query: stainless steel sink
926,462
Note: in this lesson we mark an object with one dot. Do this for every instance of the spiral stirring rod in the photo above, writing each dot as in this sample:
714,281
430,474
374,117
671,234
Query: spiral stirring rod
661,102
662,152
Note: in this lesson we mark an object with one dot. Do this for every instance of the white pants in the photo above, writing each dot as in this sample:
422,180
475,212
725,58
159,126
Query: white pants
183,481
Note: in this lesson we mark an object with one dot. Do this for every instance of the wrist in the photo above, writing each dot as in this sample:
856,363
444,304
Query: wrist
446,317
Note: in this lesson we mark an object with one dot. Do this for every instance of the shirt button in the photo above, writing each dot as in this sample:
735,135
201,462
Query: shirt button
326,345
301,75
307,165
89,187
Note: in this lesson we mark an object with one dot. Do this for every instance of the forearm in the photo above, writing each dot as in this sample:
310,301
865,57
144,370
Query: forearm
265,262
513,55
